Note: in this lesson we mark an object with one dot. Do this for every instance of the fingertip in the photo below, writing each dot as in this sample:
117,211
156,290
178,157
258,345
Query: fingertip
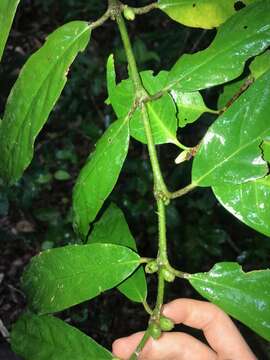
124,347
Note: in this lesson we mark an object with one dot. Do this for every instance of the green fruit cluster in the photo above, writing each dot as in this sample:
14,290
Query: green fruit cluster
155,331
166,324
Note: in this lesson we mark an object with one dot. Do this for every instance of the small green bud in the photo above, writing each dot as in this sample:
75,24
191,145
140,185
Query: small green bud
168,275
151,267
166,324
155,331
129,14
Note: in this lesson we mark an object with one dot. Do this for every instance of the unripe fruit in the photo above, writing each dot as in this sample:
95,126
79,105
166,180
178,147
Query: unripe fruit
151,267
155,331
166,324
167,275
129,14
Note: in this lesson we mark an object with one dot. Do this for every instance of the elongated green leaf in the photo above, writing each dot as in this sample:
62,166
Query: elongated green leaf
7,13
34,95
99,175
244,35
204,14
190,106
111,77
230,151
260,64
245,296
162,112
249,202
45,337
113,228
59,278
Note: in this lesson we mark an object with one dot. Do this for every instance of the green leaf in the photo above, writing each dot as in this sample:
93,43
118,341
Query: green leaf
7,13
162,112
260,64
190,106
99,175
205,14
46,337
245,34
59,278
257,67
248,202
266,150
245,296
230,151
113,228
34,95
111,77
229,91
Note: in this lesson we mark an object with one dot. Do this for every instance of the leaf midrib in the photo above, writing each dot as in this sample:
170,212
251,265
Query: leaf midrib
22,123
215,55
259,137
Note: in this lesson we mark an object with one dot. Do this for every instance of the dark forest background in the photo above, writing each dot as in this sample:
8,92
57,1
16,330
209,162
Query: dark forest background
35,213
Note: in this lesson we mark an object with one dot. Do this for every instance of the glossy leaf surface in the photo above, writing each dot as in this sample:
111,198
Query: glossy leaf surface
204,14
34,95
7,13
249,202
245,34
113,228
245,296
111,77
46,337
99,175
190,106
229,91
230,151
162,112
59,278
260,64
257,68
266,150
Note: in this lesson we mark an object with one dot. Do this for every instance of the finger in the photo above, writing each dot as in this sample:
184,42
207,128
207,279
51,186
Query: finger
218,328
170,346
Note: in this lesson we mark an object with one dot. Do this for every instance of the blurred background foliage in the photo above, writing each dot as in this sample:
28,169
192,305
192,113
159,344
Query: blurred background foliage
35,213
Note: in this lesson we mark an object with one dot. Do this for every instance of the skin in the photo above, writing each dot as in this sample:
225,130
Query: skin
224,340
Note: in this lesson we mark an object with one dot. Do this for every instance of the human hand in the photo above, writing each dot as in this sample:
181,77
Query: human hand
225,341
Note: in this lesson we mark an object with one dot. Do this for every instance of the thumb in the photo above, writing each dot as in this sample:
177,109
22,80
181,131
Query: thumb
170,346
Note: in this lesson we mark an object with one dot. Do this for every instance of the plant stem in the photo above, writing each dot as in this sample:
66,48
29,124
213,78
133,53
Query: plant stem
110,12
101,20
160,297
145,9
141,345
160,187
134,74
160,190
162,255
183,191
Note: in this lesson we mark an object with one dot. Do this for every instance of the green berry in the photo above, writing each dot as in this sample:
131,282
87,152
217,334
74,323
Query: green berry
168,275
129,13
155,331
151,267
166,324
